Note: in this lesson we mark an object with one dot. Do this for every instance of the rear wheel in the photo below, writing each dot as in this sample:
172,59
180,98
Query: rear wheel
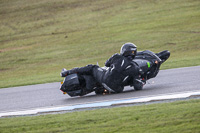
101,91
98,92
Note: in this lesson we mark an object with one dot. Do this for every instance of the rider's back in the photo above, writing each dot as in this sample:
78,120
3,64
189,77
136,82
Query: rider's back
121,71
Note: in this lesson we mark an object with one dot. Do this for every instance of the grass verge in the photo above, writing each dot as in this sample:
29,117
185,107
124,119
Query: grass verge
39,38
179,117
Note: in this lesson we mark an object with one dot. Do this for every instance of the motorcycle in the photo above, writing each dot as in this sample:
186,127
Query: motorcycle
148,62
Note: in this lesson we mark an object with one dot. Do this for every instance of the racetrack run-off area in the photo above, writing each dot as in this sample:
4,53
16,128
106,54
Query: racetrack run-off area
102,104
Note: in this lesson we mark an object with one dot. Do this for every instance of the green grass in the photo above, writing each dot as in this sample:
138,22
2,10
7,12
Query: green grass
175,117
39,38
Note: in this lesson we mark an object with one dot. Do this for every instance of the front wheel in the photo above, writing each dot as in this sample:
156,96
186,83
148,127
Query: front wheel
138,86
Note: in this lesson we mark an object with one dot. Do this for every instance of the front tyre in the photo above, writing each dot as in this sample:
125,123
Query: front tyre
138,87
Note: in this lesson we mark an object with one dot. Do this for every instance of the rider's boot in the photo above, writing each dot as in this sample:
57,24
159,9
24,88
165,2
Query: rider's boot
65,72
86,70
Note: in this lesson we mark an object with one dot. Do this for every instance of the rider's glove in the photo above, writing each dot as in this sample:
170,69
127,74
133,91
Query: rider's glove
141,72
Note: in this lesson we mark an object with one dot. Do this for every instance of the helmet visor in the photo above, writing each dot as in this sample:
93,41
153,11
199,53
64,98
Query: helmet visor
133,50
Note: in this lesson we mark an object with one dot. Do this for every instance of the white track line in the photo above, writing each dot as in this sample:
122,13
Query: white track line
100,104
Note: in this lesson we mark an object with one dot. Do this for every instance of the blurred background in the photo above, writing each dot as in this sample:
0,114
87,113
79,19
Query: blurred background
39,38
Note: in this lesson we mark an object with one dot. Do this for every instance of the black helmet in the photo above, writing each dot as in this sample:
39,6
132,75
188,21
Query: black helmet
128,49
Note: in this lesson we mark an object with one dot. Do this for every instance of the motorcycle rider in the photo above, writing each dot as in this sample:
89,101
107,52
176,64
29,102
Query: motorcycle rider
121,70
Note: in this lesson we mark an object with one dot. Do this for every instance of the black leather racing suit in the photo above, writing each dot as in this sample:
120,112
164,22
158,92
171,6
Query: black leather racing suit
121,71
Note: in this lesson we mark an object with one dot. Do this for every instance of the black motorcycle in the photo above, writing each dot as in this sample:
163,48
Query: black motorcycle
148,62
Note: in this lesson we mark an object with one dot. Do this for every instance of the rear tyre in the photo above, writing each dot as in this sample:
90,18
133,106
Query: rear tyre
98,92
101,91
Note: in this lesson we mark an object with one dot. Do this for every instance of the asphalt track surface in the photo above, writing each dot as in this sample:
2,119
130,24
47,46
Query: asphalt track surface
48,95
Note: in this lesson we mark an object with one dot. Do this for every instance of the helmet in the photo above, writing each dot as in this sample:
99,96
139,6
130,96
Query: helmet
128,49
